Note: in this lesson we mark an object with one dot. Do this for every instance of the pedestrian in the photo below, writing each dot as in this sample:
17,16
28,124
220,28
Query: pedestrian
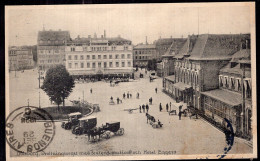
160,107
130,95
137,95
111,98
151,100
170,106
167,107
117,100
143,107
124,96
140,108
147,107
180,107
127,95
156,90
90,90
180,115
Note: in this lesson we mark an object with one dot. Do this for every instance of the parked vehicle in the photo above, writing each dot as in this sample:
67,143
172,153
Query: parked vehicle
112,128
85,124
72,121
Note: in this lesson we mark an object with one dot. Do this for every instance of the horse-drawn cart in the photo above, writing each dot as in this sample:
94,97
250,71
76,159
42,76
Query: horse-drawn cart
112,127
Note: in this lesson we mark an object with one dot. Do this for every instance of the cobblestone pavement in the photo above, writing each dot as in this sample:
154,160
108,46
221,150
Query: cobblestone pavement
185,136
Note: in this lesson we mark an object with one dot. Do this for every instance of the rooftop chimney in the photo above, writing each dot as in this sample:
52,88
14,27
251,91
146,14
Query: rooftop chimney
102,36
78,37
104,33
146,40
89,36
188,40
95,35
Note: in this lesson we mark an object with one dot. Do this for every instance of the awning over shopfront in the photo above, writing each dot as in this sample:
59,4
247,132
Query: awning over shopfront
181,86
225,96
170,78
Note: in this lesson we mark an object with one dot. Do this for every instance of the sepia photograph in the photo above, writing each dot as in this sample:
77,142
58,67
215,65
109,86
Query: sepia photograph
130,81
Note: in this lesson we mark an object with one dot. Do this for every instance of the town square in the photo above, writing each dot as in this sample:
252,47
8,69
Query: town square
106,87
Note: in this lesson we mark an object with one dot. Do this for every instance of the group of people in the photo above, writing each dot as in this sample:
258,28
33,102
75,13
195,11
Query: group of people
118,100
128,95
167,107
144,107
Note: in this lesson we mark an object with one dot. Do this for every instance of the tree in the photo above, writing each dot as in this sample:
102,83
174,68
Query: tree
58,84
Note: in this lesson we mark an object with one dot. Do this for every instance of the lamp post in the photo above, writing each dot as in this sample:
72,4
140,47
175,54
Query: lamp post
39,89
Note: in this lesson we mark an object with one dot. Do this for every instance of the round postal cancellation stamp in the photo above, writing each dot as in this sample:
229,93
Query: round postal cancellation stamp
29,129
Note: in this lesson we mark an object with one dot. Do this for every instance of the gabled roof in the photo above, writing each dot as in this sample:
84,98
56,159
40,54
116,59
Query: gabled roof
53,35
235,70
186,49
217,47
175,47
244,54
145,46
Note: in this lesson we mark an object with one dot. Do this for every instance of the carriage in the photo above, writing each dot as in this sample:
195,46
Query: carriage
85,124
112,127
72,121
105,131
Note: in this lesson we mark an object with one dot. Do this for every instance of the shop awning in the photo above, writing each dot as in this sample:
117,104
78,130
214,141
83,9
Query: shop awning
225,96
181,86
170,78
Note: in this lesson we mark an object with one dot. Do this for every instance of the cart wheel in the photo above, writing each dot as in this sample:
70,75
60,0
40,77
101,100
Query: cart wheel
121,131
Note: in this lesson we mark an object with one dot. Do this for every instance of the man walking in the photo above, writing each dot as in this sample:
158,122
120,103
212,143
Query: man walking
124,96
127,94
117,100
147,107
143,107
167,107
160,107
140,109
180,115
90,90
156,90
170,106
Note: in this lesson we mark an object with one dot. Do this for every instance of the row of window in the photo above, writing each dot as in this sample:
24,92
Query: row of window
144,52
105,65
81,57
235,84
102,48
49,61
185,77
143,57
49,51
49,56
186,65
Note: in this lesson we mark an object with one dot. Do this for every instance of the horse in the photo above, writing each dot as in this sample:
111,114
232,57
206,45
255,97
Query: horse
93,133
150,118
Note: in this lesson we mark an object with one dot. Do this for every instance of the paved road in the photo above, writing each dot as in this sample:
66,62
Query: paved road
183,136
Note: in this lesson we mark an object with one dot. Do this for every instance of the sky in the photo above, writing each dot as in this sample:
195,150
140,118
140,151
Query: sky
130,21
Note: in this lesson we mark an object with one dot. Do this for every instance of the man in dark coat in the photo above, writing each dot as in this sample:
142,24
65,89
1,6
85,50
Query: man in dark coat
155,90
124,95
140,108
147,108
143,107
180,115
160,107
117,100
167,107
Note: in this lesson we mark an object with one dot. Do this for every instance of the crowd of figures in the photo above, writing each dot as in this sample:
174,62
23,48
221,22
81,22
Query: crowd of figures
111,80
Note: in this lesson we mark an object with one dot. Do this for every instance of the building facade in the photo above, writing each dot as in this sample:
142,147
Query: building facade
20,59
233,98
99,57
51,48
142,53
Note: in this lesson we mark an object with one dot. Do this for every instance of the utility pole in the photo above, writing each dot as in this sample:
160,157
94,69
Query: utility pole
243,100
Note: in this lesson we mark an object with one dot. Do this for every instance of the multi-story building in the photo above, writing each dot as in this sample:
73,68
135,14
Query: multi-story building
199,62
168,58
232,100
143,53
163,44
51,48
20,58
99,57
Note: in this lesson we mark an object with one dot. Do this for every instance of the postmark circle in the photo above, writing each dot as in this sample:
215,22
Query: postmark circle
29,129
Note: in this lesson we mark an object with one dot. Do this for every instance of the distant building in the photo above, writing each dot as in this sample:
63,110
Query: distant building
143,53
163,44
20,58
99,57
51,48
